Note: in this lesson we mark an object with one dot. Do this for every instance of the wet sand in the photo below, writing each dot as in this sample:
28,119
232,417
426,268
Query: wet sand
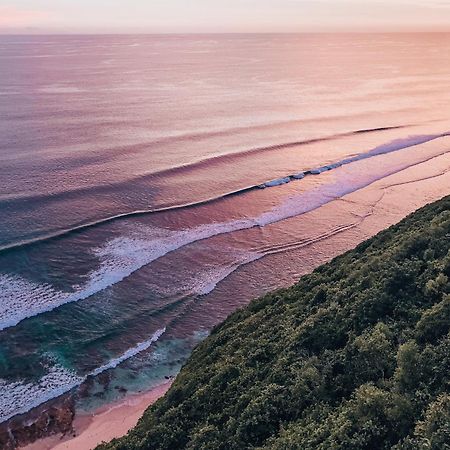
105,424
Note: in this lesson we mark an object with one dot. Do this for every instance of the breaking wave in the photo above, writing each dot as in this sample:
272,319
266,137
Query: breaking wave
20,397
125,255
393,146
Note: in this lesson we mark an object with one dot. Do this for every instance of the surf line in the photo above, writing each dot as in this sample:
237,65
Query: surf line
393,146
292,207
78,380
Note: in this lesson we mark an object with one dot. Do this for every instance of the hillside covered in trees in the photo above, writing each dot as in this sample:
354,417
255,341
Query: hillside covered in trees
354,356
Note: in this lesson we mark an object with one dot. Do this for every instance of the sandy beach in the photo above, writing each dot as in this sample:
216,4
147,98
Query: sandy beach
104,424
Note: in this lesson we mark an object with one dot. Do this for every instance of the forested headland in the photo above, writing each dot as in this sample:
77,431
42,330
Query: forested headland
356,356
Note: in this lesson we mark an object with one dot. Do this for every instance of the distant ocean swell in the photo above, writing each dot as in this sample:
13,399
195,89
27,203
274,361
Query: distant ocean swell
176,170
123,256
393,146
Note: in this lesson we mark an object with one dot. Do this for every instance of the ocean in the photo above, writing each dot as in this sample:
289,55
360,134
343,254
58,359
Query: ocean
152,185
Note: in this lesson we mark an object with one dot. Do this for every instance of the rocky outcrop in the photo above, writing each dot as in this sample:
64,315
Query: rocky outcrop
55,417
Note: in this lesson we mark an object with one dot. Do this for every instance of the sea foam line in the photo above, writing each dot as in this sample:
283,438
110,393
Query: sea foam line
396,145
123,256
19,398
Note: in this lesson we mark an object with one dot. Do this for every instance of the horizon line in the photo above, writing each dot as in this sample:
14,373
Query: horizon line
219,33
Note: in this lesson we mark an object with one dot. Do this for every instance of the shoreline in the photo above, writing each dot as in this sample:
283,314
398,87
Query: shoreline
107,423
379,203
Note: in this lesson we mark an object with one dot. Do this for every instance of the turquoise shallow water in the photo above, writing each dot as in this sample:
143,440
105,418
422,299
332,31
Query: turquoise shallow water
137,375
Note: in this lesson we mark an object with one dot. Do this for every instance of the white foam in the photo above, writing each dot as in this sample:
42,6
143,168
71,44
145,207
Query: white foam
139,348
123,256
205,282
20,397
348,179
398,144
21,298
120,258
206,285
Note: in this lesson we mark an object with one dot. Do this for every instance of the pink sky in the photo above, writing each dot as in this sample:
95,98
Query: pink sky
11,16
223,15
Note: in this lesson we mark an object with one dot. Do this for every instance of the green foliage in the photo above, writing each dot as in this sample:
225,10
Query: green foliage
356,356
435,322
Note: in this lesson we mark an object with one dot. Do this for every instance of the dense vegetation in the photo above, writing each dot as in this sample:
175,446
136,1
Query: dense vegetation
354,356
